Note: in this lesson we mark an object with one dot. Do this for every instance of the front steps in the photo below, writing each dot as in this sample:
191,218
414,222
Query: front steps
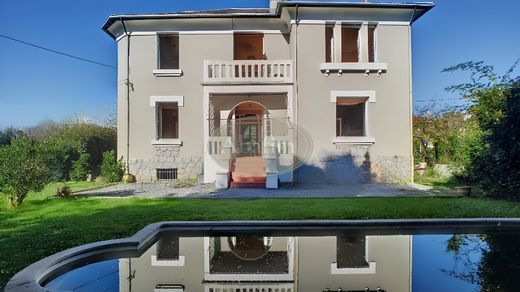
248,172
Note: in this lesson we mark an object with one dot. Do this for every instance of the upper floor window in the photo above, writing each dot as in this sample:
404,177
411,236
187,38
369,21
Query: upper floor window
168,52
329,43
248,46
349,44
371,43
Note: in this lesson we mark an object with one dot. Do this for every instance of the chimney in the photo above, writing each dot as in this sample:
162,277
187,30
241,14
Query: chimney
272,5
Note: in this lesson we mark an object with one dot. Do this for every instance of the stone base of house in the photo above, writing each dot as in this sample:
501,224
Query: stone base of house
166,157
348,164
354,164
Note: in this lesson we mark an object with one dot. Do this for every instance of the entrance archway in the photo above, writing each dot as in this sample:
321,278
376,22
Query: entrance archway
250,121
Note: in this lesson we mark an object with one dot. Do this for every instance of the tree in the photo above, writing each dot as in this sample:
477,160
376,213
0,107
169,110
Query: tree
10,134
497,168
112,170
21,170
433,129
80,168
493,104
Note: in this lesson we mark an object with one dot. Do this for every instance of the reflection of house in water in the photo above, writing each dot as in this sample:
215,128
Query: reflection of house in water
283,264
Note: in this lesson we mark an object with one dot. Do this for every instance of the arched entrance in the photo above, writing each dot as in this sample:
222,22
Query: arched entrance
250,121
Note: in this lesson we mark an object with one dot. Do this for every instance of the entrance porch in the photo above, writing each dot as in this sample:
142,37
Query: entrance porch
249,140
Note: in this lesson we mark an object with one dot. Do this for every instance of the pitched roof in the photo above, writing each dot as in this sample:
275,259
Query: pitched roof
419,9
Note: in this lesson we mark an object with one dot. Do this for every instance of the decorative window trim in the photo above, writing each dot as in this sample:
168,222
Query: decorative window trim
334,270
354,140
179,99
371,98
353,271
167,72
175,142
370,94
379,68
168,263
168,288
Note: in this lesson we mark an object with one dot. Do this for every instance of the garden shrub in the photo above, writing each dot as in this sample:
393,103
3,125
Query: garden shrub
65,144
22,170
112,169
64,192
80,168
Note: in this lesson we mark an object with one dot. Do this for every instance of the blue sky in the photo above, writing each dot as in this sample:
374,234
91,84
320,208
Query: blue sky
36,85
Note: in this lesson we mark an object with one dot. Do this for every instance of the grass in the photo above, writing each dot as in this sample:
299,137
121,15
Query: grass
50,189
431,178
41,227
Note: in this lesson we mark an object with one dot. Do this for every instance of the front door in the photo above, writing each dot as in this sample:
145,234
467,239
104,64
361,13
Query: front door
249,138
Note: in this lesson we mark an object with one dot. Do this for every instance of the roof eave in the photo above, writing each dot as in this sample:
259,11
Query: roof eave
419,10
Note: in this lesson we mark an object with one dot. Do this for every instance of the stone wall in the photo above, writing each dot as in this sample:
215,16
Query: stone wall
166,156
354,164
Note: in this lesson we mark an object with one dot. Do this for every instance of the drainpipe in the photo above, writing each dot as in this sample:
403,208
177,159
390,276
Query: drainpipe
128,84
411,89
295,173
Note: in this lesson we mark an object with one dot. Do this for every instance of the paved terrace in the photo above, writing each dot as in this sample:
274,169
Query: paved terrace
164,190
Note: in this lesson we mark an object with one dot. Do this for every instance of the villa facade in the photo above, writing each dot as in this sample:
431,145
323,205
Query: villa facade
298,92
342,262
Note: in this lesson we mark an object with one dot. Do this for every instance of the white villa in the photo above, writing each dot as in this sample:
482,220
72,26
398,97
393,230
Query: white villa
302,91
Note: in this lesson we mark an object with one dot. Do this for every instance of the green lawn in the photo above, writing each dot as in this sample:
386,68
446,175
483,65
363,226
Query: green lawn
41,227
430,178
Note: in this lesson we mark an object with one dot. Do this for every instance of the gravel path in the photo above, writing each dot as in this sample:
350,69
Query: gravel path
164,190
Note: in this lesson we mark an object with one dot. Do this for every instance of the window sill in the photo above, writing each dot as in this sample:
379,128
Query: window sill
354,67
176,142
167,72
354,140
168,263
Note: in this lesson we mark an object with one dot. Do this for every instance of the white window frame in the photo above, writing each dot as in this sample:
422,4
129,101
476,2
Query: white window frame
363,65
155,101
371,269
157,72
370,95
375,25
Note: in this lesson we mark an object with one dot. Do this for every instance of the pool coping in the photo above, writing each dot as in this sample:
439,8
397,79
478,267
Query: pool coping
31,278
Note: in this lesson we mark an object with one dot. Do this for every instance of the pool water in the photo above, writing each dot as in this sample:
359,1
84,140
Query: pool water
336,261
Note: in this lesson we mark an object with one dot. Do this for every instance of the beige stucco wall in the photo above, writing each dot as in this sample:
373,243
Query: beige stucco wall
389,118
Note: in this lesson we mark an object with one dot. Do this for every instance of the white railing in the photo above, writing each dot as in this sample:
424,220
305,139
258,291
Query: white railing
250,287
248,71
216,144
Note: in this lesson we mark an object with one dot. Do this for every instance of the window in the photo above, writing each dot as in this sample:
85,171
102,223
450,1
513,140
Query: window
349,44
350,117
168,52
248,47
168,121
166,173
351,251
371,44
329,43
168,247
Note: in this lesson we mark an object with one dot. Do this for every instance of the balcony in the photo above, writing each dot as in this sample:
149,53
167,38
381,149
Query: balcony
248,72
